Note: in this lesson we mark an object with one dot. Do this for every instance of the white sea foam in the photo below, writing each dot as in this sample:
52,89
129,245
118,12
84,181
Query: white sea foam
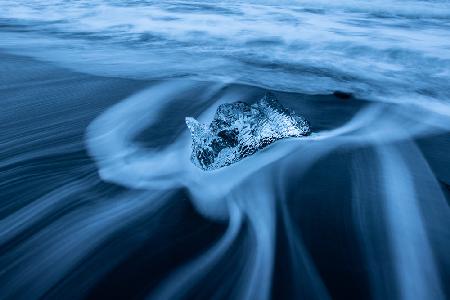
383,50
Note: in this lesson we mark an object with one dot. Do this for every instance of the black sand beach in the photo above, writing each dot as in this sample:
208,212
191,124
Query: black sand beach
68,233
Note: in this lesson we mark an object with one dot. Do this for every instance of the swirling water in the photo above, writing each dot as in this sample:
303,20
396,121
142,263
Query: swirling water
100,200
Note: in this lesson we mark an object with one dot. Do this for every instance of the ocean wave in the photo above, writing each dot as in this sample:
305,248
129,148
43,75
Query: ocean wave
378,50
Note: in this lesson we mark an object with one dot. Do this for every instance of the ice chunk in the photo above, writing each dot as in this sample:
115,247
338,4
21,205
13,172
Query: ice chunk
239,130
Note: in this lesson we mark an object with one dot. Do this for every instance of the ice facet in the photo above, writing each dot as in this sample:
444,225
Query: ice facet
239,130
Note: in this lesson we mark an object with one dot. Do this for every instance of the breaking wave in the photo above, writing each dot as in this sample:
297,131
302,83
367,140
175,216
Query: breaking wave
384,50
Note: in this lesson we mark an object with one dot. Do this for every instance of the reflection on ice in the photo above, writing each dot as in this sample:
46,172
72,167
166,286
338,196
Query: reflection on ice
239,130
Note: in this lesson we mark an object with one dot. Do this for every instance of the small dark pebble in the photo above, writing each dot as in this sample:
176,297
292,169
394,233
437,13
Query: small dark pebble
342,95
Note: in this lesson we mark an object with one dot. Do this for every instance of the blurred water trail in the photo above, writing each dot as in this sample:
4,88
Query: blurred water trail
99,198
414,263
245,190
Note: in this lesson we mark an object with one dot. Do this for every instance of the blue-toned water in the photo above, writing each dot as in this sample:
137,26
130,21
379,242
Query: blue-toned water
389,50
99,198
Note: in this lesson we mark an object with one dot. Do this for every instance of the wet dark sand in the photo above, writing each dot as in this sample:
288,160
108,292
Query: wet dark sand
44,114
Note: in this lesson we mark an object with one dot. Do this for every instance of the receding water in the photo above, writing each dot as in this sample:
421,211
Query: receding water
99,198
